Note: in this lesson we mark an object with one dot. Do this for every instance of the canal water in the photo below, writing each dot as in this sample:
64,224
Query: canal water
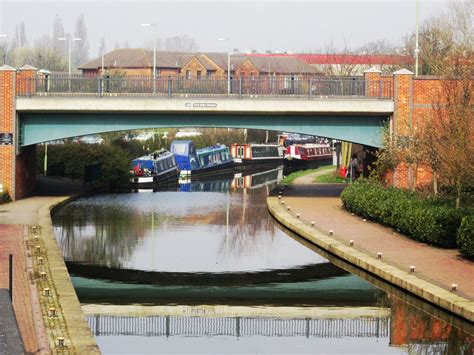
203,268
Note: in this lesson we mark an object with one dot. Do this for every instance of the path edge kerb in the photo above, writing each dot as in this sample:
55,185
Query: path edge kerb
409,282
78,329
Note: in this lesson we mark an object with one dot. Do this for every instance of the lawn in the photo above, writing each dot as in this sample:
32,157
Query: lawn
330,178
290,178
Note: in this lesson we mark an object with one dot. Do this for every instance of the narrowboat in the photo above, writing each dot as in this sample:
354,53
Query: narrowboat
200,163
308,152
256,154
156,168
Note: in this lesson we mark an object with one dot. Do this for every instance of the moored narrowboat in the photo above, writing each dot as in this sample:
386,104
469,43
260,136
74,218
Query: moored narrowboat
200,163
256,154
156,168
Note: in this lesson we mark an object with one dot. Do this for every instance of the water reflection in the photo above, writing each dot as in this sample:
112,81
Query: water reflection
221,227
213,243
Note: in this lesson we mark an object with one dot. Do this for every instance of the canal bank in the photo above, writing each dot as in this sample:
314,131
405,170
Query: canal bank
47,309
314,212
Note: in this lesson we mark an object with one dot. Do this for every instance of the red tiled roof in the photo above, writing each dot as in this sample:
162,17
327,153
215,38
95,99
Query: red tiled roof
363,59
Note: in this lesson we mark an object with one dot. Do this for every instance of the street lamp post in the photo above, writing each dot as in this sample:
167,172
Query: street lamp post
229,53
417,49
154,51
102,57
69,39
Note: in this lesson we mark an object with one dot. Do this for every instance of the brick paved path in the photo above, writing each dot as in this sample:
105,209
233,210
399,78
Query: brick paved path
320,203
11,242
10,338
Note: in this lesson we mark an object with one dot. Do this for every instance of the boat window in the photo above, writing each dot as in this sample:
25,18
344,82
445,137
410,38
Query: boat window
180,149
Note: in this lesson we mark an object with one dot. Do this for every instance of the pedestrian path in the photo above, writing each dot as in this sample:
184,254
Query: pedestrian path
321,203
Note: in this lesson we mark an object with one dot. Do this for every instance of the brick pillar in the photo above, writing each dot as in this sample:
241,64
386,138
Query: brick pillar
402,119
25,80
7,128
373,82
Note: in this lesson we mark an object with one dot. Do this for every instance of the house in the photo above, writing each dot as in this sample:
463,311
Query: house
348,64
263,66
137,61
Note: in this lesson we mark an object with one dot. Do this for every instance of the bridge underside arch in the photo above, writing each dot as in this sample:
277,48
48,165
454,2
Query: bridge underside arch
43,127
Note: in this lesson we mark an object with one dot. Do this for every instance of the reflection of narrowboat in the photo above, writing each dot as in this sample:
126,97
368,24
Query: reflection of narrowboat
152,169
253,154
187,185
205,162
257,180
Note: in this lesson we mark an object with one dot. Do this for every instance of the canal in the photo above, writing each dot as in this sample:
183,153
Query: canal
203,268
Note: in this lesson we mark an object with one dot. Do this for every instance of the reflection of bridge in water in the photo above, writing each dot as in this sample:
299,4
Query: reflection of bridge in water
367,327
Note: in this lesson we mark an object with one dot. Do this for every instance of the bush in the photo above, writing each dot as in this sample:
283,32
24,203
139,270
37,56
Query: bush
4,197
465,236
72,159
428,220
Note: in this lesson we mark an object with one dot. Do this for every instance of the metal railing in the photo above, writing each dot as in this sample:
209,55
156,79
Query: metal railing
286,87
372,327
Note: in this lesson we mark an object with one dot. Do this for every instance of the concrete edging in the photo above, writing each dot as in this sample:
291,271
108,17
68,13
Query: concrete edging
80,339
409,282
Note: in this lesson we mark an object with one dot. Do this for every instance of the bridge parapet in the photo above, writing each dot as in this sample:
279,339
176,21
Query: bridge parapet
172,87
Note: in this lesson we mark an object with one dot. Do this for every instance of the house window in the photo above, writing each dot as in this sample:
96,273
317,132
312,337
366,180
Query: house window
252,75
199,74
158,73
188,74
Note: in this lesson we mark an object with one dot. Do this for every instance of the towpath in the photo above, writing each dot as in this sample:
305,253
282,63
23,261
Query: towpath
321,203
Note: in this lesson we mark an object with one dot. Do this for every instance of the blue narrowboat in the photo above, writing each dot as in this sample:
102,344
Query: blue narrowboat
155,168
205,162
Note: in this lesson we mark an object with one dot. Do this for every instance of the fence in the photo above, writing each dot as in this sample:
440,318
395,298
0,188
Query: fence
238,326
286,87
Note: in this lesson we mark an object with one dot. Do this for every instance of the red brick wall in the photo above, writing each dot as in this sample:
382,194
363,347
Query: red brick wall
414,97
25,171
7,125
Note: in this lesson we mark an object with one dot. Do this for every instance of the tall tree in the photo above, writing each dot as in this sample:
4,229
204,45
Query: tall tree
81,48
58,32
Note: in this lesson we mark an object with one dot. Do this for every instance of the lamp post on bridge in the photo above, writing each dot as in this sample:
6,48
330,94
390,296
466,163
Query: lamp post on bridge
229,53
154,25
69,39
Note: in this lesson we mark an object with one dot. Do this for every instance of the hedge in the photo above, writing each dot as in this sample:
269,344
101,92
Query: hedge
426,220
4,197
465,237
69,160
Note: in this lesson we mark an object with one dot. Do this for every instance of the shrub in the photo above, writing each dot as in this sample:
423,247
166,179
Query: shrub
72,158
465,236
4,197
426,220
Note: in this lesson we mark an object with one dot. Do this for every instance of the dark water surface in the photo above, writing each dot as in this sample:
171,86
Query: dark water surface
210,244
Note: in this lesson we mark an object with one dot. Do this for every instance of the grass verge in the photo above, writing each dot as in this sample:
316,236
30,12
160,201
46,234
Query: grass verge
290,178
330,178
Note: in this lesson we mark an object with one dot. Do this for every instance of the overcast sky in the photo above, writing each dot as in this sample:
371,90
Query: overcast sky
284,26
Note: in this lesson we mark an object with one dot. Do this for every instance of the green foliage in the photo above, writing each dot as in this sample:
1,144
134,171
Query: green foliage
290,178
465,236
69,160
429,220
4,197
330,178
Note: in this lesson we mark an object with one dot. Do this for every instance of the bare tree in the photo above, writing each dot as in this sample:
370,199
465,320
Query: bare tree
58,32
182,43
81,48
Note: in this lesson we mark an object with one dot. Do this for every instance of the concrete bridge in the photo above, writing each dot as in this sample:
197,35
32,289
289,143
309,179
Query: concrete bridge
37,108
